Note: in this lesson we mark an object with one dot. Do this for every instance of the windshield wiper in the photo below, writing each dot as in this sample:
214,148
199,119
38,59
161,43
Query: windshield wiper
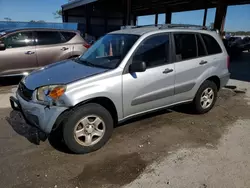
85,62
90,64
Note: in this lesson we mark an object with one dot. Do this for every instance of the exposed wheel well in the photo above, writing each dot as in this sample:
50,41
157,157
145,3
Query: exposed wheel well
106,103
103,101
216,80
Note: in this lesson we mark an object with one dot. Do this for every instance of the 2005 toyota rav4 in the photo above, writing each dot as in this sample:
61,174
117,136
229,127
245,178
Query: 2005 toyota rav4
124,74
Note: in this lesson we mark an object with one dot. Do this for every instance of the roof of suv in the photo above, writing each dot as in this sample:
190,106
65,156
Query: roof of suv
141,30
45,29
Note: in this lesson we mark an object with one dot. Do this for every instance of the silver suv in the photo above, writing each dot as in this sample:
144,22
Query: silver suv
126,73
24,50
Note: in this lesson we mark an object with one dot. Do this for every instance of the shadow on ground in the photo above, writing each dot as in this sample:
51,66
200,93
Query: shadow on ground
19,125
240,67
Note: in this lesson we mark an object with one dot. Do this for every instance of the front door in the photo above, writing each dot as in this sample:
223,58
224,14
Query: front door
154,88
51,47
20,54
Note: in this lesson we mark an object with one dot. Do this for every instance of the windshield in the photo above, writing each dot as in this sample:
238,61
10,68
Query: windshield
109,51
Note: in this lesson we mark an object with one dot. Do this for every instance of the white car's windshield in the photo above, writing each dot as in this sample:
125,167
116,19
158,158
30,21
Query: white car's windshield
109,51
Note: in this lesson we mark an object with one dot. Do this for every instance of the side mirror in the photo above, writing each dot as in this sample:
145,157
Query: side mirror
137,66
2,46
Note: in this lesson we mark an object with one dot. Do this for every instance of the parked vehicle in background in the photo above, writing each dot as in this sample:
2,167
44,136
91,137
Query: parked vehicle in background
23,50
124,74
235,45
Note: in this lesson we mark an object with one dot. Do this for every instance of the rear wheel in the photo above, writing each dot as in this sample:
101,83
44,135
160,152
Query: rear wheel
88,128
205,97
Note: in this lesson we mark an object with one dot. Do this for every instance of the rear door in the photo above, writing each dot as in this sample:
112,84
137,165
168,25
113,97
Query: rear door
77,43
191,64
20,54
51,47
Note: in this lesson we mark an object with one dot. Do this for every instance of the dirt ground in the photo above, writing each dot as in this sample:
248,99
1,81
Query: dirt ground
170,148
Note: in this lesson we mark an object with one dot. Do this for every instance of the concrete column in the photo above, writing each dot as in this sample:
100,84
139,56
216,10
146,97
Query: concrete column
220,16
65,17
205,17
128,12
156,19
168,17
87,17
134,19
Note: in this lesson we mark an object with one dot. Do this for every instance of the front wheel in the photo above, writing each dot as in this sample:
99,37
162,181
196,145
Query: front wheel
88,128
205,97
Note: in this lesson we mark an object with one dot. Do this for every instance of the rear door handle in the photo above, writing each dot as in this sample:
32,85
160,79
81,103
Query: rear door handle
64,48
167,71
203,62
29,52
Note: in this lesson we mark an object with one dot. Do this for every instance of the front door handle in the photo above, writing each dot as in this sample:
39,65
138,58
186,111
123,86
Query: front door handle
203,62
167,71
29,53
64,48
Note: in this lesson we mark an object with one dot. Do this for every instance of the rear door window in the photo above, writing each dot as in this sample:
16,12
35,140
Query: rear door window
68,35
211,44
185,46
200,45
48,37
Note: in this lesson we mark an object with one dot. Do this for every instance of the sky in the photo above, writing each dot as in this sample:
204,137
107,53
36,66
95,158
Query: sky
238,17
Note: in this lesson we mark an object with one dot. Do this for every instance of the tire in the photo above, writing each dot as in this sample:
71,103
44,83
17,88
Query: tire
198,106
75,135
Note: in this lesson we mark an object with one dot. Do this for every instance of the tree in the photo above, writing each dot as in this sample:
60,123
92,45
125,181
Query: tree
7,19
39,21
57,14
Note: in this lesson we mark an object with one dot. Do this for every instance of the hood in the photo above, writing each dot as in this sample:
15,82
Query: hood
60,73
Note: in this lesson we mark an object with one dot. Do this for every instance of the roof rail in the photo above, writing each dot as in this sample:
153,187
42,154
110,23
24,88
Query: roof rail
168,26
137,26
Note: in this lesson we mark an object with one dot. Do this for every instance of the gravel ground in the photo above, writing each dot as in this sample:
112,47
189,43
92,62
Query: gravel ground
170,147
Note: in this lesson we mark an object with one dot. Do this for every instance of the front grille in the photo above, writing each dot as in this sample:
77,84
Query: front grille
24,92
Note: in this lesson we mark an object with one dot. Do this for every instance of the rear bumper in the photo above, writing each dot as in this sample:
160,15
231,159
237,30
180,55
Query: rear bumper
35,114
224,79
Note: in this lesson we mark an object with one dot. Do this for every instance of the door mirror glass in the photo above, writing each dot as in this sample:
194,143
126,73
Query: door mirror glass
137,66
2,46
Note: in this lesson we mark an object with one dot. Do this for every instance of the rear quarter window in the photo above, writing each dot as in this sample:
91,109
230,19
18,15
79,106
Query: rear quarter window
211,44
68,35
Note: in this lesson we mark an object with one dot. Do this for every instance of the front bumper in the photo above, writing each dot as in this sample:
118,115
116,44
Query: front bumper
36,114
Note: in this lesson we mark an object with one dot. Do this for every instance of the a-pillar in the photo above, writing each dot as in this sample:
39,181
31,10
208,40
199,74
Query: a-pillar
220,15
168,17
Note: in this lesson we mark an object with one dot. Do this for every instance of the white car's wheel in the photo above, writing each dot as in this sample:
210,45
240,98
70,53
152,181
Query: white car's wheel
87,128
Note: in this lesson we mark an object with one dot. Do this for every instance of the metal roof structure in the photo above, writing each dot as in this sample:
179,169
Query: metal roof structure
108,15
76,3
146,7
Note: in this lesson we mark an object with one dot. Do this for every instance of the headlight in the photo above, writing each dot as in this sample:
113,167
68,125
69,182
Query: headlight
50,92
